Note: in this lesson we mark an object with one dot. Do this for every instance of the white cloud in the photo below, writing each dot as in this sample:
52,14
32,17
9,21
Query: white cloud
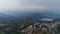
27,4
33,7
18,5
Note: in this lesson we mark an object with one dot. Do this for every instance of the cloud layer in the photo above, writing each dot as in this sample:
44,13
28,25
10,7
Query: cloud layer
29,4
19,5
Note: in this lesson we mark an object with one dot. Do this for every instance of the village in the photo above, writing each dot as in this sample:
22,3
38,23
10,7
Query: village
35,27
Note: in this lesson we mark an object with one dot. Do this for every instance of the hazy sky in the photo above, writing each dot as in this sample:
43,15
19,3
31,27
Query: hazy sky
29,4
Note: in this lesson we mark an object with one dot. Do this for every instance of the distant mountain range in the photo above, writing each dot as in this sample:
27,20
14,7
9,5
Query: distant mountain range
28,14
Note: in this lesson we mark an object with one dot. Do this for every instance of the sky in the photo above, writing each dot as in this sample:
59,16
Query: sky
29,4
19,4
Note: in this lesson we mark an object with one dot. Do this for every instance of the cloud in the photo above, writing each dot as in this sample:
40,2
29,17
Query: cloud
28,4
7,5
33,7
19,5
